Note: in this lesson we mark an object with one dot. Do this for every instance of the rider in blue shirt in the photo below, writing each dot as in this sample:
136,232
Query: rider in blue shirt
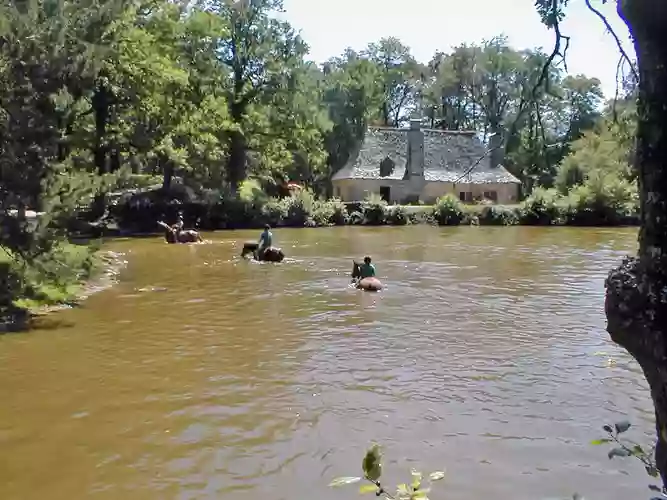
265,240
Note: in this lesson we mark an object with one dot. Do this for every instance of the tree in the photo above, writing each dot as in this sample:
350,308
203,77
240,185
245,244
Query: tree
353,100
399,79
582,99
636,301
260,55
44,61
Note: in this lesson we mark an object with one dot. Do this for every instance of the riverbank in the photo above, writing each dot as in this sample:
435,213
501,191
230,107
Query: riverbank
75,272
543,208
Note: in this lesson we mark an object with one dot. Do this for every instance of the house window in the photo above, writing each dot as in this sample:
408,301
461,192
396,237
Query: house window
465,196
491,195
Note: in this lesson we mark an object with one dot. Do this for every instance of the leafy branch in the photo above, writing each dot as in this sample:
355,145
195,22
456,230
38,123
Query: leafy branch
372,469
628,448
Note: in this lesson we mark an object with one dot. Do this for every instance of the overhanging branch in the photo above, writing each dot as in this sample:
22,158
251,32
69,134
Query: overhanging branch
624,54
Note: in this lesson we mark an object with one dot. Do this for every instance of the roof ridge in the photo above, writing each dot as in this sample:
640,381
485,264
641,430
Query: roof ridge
433,130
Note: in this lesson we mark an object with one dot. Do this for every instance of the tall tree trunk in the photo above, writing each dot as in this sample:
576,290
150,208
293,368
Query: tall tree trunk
236,164
167,172
636,299
100,104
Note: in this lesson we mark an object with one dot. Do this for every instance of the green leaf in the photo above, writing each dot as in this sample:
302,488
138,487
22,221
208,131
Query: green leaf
368,488
638,450
618,452
600,441
340,481
437,475
622,426
372,463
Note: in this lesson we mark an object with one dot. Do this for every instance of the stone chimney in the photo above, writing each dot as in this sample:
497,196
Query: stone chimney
416,149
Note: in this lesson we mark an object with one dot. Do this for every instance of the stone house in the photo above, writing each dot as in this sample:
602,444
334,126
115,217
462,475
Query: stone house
404,165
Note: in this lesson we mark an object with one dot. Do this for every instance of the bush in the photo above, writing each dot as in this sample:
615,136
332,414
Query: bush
603,200
331,212
232,212
497,215
273,212
543,207
356,218
448,211
250,191
50,278
374,210
299,208
397,215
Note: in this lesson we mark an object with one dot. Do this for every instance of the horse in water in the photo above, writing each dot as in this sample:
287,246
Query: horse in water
271,254
368,284
174,235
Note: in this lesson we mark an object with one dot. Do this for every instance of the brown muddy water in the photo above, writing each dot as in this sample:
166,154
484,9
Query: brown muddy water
201,376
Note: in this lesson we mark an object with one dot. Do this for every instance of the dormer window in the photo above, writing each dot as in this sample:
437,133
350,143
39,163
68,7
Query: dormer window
387,167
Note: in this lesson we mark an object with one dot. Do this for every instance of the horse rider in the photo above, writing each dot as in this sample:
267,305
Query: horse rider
367,269
178,227
265,241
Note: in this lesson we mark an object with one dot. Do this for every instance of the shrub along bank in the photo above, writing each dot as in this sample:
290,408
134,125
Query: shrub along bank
51,279
251,208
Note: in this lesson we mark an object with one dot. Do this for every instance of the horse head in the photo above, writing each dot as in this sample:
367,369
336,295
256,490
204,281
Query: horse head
248,247
356,269
170,236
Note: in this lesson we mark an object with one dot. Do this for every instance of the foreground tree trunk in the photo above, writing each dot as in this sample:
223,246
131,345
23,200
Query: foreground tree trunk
636,299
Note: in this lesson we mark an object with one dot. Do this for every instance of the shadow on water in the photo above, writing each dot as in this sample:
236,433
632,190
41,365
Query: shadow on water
203,375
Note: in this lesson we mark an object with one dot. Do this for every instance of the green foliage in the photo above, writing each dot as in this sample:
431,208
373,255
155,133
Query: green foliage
374,210
602,151
448,211
371,466
543,207
603,199
496,215
251,192
623,447
397,215
51,278
330,212
299,208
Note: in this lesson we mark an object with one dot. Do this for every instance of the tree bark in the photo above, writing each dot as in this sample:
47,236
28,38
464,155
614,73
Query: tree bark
636,298
100,104
236,165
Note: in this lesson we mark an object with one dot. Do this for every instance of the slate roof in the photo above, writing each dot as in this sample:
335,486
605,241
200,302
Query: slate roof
447,156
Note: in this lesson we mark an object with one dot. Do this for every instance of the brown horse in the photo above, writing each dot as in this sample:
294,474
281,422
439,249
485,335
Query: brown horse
271,254
174,235
367,284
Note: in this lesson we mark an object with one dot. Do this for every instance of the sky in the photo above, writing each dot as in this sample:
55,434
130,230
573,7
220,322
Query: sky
426,26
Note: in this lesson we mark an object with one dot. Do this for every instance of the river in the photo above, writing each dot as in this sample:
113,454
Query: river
201,376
